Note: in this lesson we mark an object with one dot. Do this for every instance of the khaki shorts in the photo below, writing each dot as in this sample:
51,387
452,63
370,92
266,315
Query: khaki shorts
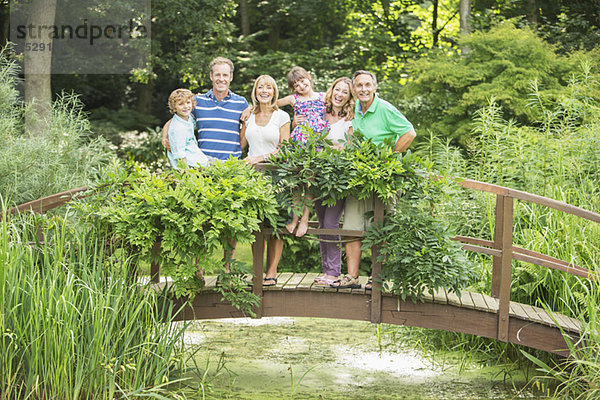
355,209
354,213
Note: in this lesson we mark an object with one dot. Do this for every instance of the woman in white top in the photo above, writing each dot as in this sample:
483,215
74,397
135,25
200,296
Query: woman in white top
264,130
339,111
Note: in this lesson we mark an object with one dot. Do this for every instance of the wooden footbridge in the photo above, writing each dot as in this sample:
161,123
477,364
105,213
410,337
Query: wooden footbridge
490,315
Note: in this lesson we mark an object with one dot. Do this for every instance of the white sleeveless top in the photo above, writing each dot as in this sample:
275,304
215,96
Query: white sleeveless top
337,132
265,139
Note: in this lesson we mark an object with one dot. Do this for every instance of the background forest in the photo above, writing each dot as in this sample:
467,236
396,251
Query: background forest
419,43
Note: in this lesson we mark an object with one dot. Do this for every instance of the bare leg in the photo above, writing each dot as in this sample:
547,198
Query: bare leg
353,254
291,227
303,225
274,250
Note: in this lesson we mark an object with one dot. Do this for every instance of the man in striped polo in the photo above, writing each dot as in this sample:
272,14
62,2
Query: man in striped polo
217,114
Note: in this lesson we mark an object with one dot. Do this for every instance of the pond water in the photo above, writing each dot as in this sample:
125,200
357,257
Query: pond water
309,358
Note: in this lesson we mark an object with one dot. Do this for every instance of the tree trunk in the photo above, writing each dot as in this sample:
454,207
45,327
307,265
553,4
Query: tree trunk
4,22
386,10
245,17
533,12
434,28
274,34
465,29
465,12
144,92
38,91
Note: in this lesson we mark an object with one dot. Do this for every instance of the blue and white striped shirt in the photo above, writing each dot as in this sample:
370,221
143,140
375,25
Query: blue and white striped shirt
218,124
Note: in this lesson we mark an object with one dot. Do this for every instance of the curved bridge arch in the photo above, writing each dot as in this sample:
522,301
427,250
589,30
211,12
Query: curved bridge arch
472,313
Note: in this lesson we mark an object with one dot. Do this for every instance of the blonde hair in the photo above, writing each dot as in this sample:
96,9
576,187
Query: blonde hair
268,79
348,108
179,96
220,60
295,74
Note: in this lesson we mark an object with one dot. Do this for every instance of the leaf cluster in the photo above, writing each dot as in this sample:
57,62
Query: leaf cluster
445,91
359,169
417,252
179,219
416,247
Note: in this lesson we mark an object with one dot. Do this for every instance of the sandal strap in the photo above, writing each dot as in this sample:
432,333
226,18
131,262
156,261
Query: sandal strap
348,279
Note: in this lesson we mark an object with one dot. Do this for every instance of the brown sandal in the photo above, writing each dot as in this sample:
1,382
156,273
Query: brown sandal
347,282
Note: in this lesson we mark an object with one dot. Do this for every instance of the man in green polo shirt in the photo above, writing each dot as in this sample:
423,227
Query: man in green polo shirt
378,120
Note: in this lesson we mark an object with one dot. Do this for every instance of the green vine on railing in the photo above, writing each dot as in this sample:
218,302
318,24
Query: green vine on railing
359,169
416,248
190,214
180,219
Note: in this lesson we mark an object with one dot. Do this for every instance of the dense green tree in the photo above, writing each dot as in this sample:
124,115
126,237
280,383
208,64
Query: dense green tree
572,24
445,91
330,39
185,36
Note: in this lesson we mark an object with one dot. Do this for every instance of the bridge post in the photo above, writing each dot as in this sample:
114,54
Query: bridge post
498,236
376,265
258,260
501,275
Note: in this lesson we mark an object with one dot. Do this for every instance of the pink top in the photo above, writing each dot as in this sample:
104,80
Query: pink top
314,110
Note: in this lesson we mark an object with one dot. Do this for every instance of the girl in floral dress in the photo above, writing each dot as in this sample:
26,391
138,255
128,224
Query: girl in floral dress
309,112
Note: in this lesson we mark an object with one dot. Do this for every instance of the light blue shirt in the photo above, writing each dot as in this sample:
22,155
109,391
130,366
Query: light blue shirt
183,143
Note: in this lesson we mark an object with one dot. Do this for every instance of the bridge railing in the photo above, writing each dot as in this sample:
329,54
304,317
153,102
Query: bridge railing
504,251
259,245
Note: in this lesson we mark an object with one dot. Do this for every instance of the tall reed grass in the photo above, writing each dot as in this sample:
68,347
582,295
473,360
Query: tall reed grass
62,156
73,324
557,157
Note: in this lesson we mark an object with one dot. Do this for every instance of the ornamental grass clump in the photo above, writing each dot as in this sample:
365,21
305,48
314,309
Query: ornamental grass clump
576,377
73,324
61,157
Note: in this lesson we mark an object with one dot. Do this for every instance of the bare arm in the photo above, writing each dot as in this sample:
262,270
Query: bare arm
243,140
165,135
246,114
298,119
284,133
404,141
286,101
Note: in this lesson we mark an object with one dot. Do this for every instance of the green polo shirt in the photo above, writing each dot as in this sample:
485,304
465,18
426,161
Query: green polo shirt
381,121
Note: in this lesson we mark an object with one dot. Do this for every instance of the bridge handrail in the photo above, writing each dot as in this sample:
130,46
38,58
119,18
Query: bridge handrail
503,250
532,198
48,203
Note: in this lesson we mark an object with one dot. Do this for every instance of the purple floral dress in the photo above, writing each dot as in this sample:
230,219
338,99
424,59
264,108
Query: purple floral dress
315,117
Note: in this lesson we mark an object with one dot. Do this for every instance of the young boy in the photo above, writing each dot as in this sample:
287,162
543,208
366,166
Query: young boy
184,151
